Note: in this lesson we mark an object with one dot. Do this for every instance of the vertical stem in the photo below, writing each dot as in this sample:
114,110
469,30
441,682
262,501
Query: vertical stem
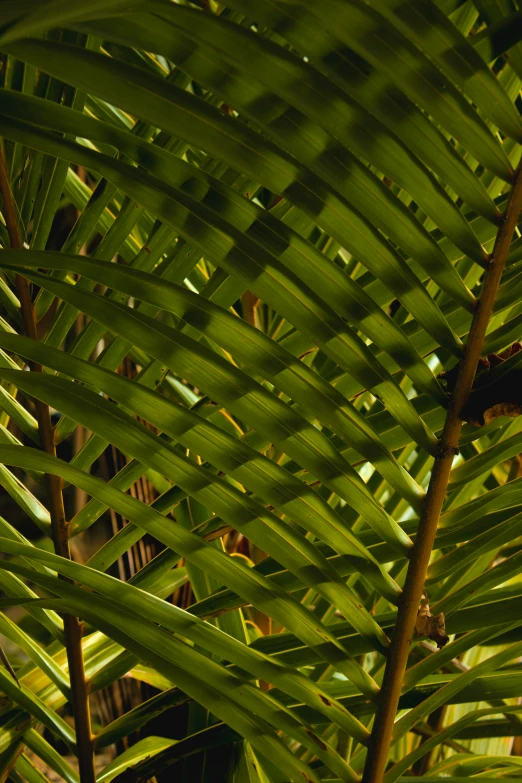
388,698
59,528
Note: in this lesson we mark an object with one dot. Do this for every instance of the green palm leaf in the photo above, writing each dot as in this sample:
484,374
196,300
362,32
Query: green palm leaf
252,257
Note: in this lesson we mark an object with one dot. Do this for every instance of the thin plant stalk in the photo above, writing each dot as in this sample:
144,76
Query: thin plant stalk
448,446
59,527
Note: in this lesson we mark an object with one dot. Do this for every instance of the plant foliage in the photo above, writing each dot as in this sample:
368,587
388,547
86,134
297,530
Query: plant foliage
245,248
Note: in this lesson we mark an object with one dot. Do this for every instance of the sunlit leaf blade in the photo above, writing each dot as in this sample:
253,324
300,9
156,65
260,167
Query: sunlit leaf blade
246,344
155,611
250,401
218,134
371,36
454,55
60,12
295,82
243,513
144,750
344,294
244,248
372,89
238,577
277,285
240,462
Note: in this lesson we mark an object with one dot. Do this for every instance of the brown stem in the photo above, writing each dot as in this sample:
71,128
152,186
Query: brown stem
59,527
388,698
9,759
